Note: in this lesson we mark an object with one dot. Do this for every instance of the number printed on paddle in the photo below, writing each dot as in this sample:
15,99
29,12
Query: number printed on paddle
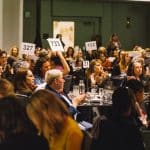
91,45
55,44
27,48
86,64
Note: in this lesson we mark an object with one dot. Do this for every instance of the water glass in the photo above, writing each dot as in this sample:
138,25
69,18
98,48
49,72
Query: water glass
88,98
75,90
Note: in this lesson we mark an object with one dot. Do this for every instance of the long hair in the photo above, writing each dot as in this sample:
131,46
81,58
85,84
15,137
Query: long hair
123,64
68,51
92,66
48,112
38,65
20,81
13,118
130,70
123,101
11,51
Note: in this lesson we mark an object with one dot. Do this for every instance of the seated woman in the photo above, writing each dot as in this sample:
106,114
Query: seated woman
113,44
14,55
119,132
122,66
95,74
52,119
16,130
41,66
6,70
137,71
78,71
138,90
69,55
24,82
102,55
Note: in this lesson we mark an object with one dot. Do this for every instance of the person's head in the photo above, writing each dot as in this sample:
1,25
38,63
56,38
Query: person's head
59,36
47,112
70,51
102,50
37,51
13,119
138,89
54,78
14,51
124,57
95,66
102,57
114,37
122,102
43,53
55,61
23,79
6,88
29,78
25,57
116,54
137,68
41,66
127,58
3,58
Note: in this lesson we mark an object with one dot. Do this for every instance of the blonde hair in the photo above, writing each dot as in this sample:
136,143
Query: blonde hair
11,50
92,66
48,111
123,64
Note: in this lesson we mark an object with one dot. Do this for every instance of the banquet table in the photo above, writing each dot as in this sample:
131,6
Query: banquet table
90,111
95,106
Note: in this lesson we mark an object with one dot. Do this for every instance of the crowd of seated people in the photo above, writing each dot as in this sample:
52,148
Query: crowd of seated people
25,75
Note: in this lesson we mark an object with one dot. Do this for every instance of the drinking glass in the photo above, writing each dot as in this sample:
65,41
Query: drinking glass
75,90
88,98
101,93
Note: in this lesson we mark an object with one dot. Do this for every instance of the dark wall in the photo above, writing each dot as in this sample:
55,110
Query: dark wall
113,18
29,20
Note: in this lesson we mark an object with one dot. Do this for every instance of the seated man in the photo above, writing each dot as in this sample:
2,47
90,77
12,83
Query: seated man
55,83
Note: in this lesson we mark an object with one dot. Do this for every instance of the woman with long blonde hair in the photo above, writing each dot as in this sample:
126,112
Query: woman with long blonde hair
52,119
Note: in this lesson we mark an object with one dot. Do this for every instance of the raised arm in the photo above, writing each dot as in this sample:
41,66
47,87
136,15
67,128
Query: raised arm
64,63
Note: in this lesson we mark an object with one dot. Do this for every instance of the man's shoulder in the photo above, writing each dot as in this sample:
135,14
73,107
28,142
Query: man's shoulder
41,86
